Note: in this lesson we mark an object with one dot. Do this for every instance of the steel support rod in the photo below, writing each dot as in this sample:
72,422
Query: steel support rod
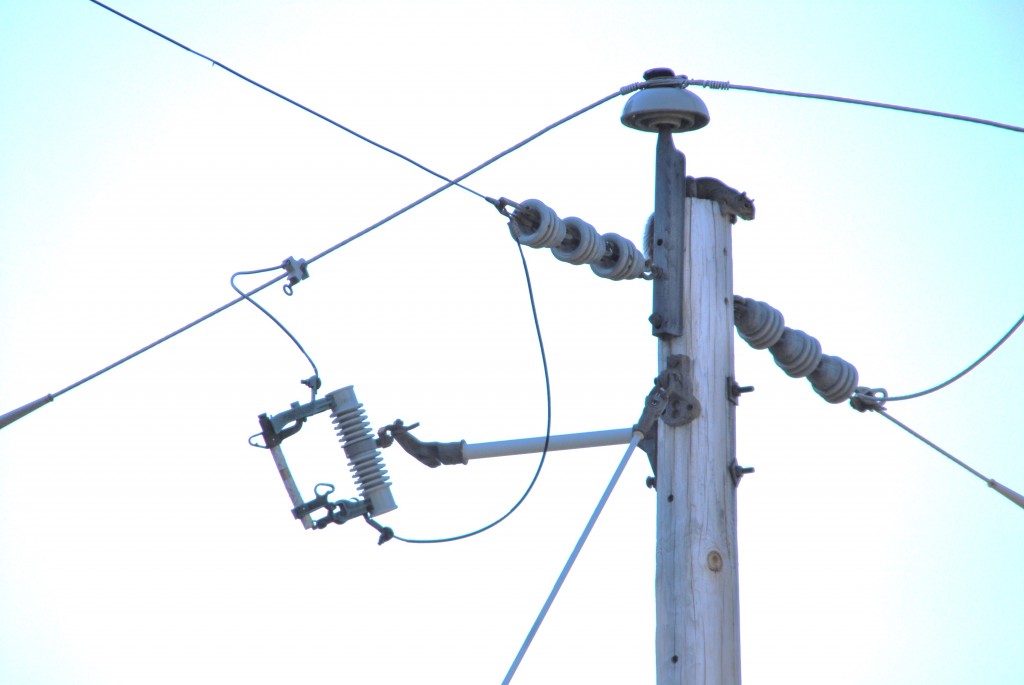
571,441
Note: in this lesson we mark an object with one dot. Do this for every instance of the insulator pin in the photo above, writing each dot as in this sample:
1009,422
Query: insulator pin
582,243
835,379
759,324
622,259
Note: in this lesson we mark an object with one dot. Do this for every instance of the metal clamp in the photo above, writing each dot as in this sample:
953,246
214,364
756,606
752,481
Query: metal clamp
671,400
683,406
297,271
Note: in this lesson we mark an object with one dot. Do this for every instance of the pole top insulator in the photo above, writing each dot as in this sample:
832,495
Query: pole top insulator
665,106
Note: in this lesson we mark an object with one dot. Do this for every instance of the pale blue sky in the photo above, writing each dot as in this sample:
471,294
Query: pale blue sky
144,541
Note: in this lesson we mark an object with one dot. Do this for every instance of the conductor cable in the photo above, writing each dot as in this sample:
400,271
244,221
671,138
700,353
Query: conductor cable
314,381
547,430
12,416
282,97
966,371
725,85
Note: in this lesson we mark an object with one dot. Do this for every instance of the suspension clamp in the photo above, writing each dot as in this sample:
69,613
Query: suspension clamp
297,271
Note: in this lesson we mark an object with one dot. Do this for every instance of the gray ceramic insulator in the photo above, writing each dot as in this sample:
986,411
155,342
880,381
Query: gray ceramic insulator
582,244
835,379
759,324
796,353
356,438
549,232
624,260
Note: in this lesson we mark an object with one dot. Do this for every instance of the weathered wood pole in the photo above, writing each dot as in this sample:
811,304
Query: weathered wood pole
696,583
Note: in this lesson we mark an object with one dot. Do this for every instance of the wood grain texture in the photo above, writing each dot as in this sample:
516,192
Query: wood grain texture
696,586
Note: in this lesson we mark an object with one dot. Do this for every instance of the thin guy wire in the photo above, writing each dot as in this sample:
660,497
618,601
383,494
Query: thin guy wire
622,91
931,444
284,97
725,85
637,436
547,429
314,382
966,371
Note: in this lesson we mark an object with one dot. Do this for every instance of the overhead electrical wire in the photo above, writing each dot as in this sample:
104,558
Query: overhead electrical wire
725,85
14,415
547,428
314,382
282,96
966,371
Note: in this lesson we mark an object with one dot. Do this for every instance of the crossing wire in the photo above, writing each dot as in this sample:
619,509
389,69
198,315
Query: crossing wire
281,96
12,416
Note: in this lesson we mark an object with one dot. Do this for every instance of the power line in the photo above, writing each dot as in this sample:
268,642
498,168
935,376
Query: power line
283,97
314,382
966,371
12,416
725,85
547,429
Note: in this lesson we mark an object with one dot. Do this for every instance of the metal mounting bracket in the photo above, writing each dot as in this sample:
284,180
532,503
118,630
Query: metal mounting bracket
683,406
671,400
297,271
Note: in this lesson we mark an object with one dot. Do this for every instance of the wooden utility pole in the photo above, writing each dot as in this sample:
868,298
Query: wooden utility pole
696,583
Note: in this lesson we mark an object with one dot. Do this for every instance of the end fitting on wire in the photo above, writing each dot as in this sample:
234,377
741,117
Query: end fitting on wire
869,399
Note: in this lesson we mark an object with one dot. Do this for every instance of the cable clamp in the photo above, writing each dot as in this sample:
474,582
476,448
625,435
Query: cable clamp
386,435
671,398
869,399
501,204
297,271
385,532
